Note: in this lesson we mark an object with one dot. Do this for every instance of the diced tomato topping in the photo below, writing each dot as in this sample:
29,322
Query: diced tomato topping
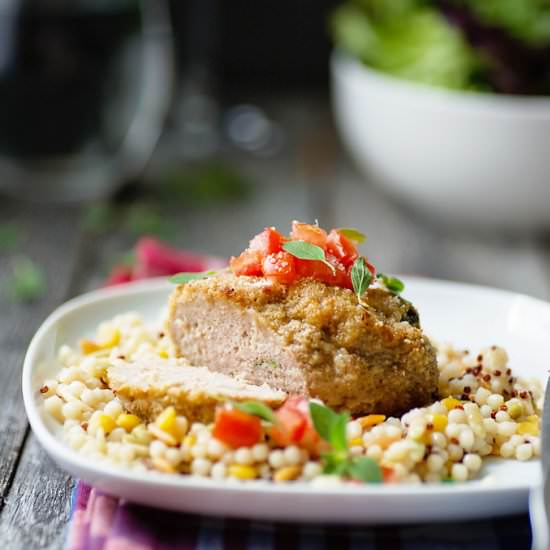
269,241
248,263
266,257
323,273
308,233
294,426
236,428
280,267
341,248
388,474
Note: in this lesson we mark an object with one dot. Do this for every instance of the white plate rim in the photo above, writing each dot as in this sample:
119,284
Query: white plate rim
74,462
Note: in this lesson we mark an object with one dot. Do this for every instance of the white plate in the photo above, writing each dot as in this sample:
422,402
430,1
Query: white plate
467,316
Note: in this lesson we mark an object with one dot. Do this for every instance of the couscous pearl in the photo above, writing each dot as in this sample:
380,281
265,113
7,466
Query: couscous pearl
243,456
438,439
218,471
507,450
260,452
311,470
490,425
435,463
472,462
455,452
228,458
466,438
203,437
353,430
457,416
356,450
502,416
197,427
54,406
199,450
76,388
375,452
113,408
201,466
277,459
506,429
265,471
292,455
72,410
524,451
214,448
459,472
486,411
536,446
482,394
173,456
157,448
432,477
495,400
453,430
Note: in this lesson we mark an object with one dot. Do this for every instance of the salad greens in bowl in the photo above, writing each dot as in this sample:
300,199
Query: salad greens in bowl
444,105
500,46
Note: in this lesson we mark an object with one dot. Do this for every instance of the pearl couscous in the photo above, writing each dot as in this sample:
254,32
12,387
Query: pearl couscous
484,411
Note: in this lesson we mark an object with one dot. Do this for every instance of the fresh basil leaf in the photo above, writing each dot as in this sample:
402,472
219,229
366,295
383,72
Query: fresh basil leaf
352,234
322,418
256,408
365,469
182,278
307,251
338,438
334,465
361,277
393,284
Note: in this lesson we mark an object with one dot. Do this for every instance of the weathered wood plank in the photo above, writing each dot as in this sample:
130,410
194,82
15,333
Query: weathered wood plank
51,241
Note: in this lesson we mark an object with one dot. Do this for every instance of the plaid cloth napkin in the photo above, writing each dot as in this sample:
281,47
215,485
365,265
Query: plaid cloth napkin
103,522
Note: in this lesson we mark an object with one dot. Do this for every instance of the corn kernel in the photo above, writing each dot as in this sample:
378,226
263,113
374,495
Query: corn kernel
451,403
128,421
163,354
533,418
241,471
371,420
112,341
439,422
190,440
107,423
527,428
167,419
88,346
515,410
358,441
288,473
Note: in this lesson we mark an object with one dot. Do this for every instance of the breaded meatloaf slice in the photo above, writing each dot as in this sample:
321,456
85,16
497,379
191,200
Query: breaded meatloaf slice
147,386
308,338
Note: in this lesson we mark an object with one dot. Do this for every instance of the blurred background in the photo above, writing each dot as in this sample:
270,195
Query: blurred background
197,123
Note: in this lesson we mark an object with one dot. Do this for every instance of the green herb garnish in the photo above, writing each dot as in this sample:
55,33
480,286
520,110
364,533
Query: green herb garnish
183,278
361,278
256,408
331,426
28,282
393,284
11,235
352,234
99,218
307,251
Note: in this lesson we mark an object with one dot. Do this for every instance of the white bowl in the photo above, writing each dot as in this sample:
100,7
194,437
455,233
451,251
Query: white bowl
464,157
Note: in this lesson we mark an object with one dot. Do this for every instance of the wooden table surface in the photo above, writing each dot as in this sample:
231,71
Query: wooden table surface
309,178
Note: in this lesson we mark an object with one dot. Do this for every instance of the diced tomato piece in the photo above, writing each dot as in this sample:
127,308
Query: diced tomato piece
308,233
320,271
371,268
236,428
388,474
341,248
294,426
248,263
269,241
280,267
